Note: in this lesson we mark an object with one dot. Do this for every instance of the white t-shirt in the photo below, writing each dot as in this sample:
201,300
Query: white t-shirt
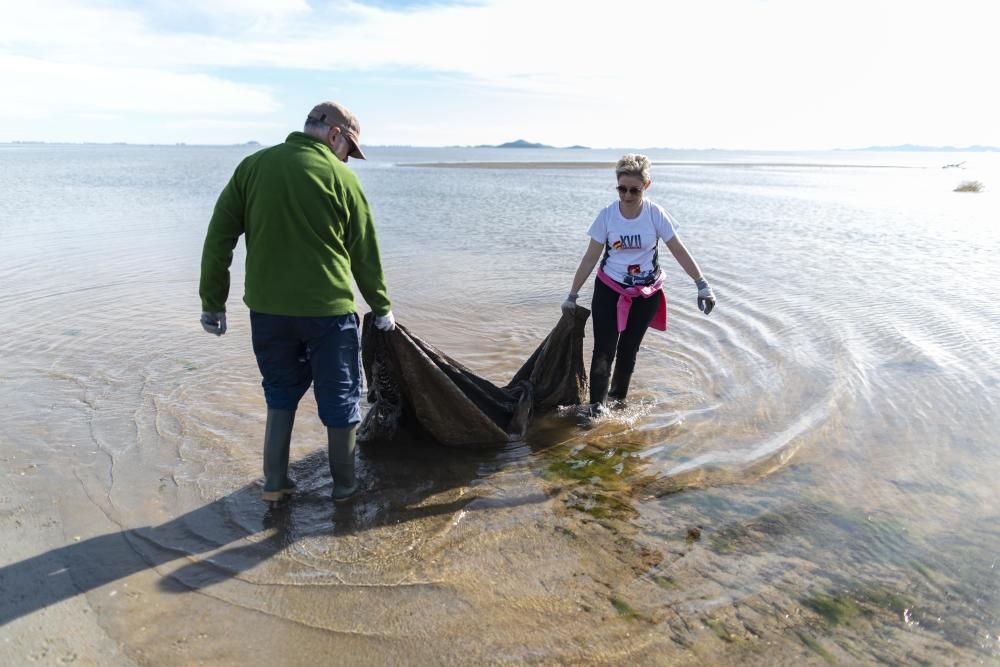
630,246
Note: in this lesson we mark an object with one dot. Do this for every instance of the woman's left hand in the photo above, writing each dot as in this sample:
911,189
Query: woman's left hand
706,297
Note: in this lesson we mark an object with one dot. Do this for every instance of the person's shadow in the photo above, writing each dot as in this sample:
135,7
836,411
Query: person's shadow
395,481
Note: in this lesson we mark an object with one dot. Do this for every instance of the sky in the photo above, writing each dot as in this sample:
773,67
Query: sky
735,74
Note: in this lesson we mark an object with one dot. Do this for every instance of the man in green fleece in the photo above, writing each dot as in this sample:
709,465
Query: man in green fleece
308,230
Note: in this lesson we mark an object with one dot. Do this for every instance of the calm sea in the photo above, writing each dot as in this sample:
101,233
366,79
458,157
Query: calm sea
809,474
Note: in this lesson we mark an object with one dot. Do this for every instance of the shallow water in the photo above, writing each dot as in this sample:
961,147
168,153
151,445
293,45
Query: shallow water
809,474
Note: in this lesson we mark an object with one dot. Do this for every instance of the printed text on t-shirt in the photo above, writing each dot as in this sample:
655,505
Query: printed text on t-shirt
628,242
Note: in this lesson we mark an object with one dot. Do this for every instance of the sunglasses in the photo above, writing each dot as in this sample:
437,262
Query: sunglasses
632,191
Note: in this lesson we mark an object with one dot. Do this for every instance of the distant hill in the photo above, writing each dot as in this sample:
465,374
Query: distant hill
902,148
521,143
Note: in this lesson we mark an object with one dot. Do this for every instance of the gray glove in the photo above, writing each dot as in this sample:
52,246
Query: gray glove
569,305
214,323
385,322
706,297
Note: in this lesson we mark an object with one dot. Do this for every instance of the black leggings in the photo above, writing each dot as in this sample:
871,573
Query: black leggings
609,344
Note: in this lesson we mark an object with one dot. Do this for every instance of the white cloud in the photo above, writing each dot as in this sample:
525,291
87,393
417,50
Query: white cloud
773,73
54,91
255,9
221,124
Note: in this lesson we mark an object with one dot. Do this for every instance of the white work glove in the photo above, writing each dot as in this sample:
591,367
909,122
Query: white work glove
706,297
569,305
385,322
214,323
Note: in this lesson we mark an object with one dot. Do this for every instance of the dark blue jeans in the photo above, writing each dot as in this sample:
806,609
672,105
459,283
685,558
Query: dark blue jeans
294,352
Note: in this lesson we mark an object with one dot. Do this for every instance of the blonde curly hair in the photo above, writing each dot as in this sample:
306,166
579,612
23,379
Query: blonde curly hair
633,164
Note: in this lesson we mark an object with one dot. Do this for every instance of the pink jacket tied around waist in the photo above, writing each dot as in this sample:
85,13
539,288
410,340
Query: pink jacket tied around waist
626,294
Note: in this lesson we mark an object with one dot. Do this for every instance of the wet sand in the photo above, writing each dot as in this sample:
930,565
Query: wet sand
473,559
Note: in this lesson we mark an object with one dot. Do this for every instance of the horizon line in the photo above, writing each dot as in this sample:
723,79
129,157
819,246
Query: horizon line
907,147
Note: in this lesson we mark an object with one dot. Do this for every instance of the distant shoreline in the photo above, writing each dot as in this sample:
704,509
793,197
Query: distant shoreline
903,148
657,163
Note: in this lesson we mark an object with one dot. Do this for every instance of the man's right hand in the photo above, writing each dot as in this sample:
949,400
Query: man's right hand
569,305
214,323
385,322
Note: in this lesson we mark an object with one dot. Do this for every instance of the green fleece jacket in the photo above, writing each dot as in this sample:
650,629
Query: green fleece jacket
308,231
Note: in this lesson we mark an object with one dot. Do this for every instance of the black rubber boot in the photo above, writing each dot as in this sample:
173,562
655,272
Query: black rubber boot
341,452
277,441
599,376
619,383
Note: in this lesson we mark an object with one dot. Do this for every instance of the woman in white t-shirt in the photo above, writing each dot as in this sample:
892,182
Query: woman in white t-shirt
628,292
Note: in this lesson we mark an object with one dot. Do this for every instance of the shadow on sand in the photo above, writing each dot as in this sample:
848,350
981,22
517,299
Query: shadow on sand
395,480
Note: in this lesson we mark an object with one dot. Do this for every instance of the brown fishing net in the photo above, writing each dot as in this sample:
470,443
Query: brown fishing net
415,388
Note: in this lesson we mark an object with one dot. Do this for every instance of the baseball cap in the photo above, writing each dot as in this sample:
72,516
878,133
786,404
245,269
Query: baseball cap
336,115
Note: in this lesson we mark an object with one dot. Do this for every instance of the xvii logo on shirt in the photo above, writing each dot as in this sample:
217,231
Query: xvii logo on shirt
628,242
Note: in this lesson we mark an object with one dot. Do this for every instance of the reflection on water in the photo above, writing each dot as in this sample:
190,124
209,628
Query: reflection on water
806,475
